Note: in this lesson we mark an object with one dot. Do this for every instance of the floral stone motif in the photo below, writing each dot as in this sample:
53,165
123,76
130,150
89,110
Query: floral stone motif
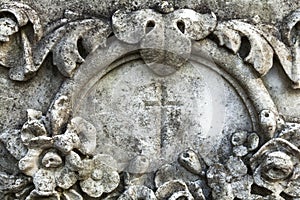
56,152
56,163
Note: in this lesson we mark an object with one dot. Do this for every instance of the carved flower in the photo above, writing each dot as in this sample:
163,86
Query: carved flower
52,175
244,142
99,175
275,167
53,162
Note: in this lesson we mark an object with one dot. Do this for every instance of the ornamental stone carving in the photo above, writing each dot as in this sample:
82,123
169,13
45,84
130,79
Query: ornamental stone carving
153,102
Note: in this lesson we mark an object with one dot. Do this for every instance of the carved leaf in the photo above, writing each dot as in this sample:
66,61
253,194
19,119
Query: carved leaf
7,28
26,70
283,53
228,37
66,54
24,14
292,38
290,33
261,53
20,15
63,42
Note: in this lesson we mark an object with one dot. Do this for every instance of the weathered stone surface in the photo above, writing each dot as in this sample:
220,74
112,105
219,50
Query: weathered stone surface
149,100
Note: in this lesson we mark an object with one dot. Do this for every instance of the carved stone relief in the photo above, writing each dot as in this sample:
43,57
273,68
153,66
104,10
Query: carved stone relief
154,103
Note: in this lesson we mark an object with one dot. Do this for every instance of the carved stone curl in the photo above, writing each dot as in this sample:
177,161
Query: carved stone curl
56,151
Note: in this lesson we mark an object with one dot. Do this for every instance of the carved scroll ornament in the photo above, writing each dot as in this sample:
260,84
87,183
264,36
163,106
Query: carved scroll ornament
55,151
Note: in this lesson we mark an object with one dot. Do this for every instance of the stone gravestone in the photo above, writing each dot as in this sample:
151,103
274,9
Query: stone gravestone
149,100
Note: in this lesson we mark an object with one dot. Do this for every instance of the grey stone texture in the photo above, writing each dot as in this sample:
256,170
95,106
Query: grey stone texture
149,100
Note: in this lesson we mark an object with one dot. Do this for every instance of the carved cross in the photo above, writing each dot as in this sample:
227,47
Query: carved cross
169,117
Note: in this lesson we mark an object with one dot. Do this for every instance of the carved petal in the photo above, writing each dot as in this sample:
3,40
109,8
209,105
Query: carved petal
110,178
73,161
100,175
252,141
66,178
238,138
87,170
30,163
236,167
44,181
33,127
91,187
66,142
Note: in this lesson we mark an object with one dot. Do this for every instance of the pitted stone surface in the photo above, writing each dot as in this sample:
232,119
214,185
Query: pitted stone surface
162,117
150,99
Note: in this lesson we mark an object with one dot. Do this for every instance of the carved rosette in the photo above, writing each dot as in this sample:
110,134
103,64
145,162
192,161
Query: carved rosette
57,162
56,151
